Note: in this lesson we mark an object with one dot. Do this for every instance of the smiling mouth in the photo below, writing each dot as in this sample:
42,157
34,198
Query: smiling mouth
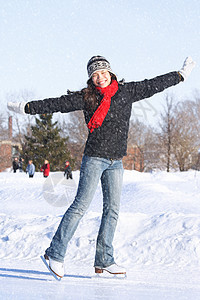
102,82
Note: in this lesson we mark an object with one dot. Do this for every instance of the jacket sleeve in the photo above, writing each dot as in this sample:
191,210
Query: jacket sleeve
66,103
148,87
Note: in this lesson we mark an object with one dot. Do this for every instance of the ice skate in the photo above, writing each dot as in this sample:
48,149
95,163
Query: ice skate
55,267
113,269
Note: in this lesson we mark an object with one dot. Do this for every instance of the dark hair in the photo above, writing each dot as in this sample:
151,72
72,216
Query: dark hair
91,94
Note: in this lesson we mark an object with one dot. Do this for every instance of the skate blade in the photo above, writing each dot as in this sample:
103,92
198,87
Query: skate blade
47,266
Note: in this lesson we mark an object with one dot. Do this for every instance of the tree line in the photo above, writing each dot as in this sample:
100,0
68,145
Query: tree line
174,144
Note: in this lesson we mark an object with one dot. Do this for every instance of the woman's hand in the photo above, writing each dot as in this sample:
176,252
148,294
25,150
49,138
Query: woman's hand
17,107
187,67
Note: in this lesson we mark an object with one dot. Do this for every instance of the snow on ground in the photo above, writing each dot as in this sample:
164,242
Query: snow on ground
157,238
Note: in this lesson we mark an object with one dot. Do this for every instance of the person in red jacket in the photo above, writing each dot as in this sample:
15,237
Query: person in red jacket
45,168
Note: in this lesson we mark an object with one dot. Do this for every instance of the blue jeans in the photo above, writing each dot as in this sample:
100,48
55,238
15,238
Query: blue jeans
93,169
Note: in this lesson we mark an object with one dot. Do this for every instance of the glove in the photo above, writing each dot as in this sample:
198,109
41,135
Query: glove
17,107
187,67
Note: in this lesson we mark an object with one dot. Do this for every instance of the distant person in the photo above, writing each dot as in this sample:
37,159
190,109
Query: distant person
68,171
45,168
15,165
107,105
21,160
30,169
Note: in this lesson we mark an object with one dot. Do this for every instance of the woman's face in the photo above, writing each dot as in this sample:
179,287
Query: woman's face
101,78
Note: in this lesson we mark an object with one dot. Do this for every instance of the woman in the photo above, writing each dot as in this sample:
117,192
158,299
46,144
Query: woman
107,105
45,168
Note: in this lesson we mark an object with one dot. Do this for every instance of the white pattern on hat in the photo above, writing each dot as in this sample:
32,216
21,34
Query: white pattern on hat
97,63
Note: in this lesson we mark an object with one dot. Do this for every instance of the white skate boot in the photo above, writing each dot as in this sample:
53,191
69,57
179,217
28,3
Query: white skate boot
55,266
112,269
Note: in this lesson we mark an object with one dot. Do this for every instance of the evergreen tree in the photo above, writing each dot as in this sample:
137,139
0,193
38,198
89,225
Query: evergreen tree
45,142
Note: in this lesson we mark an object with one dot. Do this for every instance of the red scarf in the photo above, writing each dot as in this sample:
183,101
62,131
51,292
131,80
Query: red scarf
101,112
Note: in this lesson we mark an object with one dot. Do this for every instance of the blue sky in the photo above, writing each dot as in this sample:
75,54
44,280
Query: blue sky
45,44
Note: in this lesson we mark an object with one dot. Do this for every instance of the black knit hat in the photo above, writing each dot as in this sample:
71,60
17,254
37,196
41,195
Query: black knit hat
97,63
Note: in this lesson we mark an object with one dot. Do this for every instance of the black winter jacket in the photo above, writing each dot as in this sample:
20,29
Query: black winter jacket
109,140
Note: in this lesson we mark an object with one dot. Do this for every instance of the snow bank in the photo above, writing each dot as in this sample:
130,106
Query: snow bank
158,228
